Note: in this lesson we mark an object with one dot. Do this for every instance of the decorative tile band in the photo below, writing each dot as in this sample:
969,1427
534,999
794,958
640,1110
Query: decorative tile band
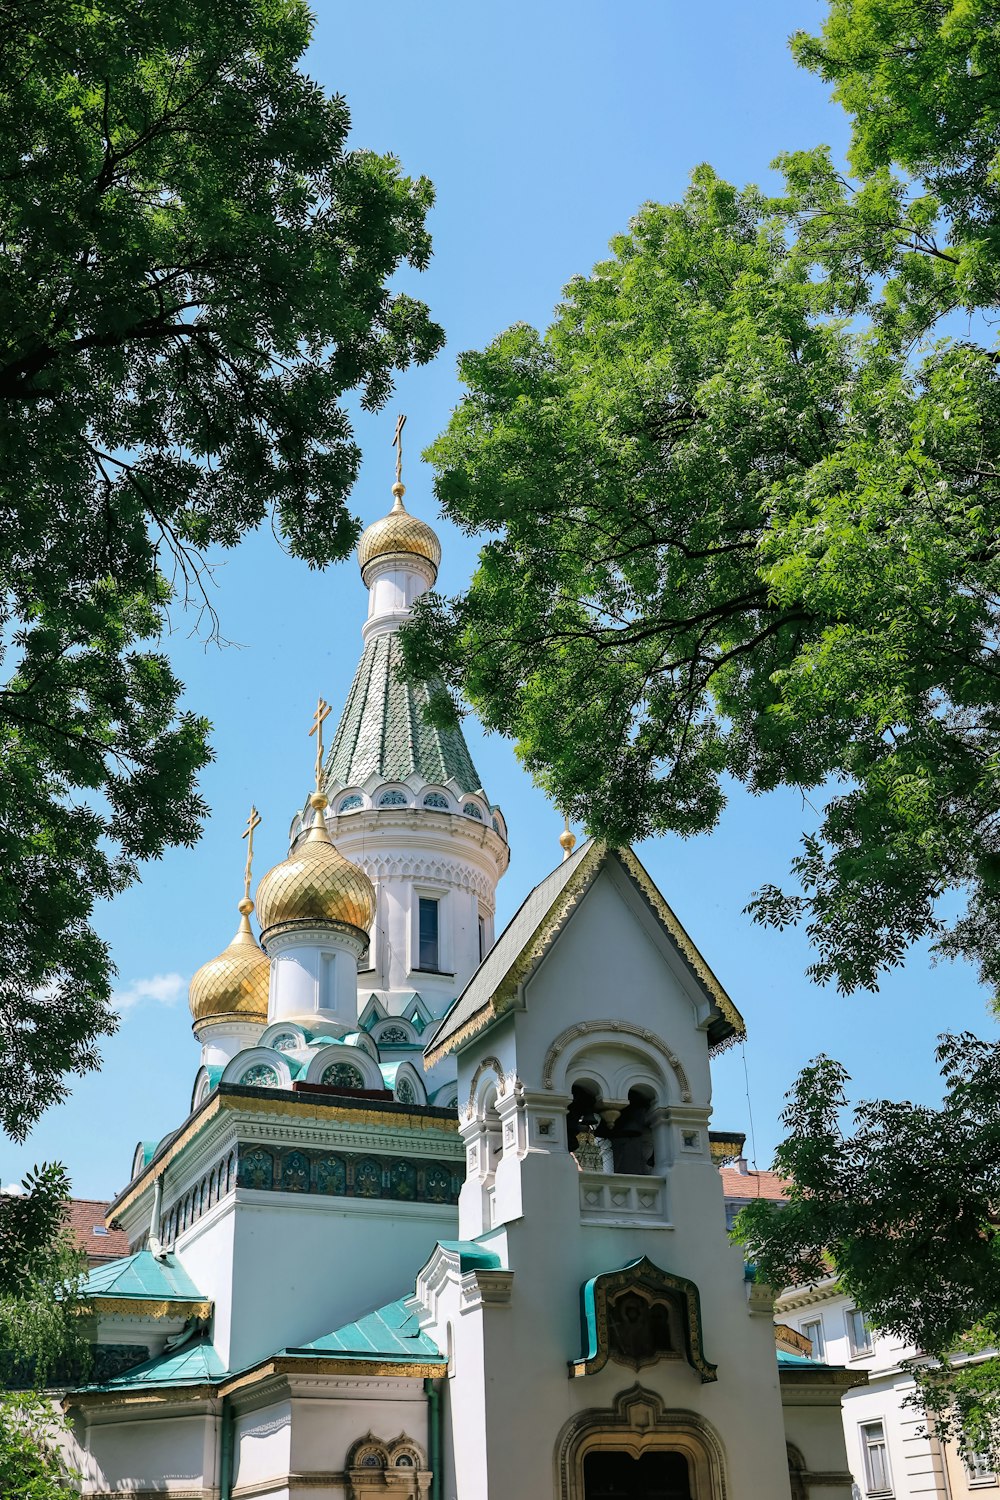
343,1174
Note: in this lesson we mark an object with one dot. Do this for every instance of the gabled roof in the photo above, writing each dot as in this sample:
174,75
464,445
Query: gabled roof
144,1277
389,1333
383,732
85,1220
526,939
745,1186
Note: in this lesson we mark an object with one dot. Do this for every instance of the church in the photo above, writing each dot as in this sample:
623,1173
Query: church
445,1219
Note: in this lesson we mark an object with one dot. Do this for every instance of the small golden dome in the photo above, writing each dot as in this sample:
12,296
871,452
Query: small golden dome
316,883
236,983
567,840
399,532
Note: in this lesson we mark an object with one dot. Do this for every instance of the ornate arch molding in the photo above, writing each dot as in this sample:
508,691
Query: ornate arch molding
620,1028
644,1281
376,1468
639,1423
488,1065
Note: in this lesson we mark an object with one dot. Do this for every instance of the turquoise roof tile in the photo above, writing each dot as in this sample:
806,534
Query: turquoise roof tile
390,1332
142,1275
383,731
196,1364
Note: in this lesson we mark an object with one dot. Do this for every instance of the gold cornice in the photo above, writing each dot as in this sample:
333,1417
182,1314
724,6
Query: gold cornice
305,1365
291,1106
158,1396
145,1307
270,1368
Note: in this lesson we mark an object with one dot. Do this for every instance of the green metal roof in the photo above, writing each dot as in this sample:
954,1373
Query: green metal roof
383,731
471,1256
143,1276
196,1364
390,1332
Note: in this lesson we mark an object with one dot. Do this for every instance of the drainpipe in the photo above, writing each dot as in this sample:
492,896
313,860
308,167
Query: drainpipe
153,1238
226,1451
432,1390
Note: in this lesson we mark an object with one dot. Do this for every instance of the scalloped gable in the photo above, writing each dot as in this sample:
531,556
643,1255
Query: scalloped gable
493,989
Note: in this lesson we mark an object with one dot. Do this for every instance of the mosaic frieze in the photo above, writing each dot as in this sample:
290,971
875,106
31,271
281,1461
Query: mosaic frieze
344,1174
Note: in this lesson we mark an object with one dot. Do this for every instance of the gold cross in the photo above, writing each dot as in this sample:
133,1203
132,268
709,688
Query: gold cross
322,712
254,821
397,443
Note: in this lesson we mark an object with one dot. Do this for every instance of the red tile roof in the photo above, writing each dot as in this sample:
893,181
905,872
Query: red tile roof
747,1185
84,1216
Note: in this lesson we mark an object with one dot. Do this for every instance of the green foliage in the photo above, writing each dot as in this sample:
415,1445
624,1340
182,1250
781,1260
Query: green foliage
31,1463
193,273
729,534
903,1210
43,1330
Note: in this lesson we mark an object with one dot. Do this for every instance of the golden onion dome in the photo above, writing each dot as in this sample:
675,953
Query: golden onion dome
399,532
316,884
236,983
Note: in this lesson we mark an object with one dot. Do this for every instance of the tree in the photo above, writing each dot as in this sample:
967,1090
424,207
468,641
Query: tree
730,534
905,1210
193,273
32,1466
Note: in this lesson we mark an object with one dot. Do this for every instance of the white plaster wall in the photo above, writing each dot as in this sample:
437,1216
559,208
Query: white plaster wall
173,1452
303,1266
262,1444
327,1424
314,980
608,962
206,1253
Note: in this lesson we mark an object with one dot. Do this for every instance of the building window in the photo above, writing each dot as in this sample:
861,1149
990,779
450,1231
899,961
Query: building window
429,951
858,1332
343,1076
878,1480
472,811
351,803
979,1469
814,1333
437,800
393,799
482,937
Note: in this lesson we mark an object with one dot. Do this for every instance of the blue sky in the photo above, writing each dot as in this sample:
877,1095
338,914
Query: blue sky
543,126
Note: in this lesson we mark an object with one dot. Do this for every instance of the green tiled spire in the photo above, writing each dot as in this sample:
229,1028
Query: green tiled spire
383,731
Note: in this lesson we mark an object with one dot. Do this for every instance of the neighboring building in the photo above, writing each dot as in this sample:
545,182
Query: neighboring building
888,1448
87,1221
445,1218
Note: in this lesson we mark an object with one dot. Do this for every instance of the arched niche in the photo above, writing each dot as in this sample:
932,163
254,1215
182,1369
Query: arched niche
638,1423
621,1054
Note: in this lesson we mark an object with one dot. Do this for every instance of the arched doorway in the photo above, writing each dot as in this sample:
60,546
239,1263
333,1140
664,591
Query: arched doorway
652,1476
638,1449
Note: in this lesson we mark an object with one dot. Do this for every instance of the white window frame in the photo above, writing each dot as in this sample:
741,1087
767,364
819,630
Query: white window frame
978,1475
858,1351
804,1328
867,1445
438,893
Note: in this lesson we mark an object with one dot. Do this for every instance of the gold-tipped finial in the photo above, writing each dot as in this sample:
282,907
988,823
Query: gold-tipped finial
318,799
399,488
567,838
234,986
253,822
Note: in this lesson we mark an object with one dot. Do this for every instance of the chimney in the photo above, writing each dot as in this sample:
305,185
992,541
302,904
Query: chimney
742,1167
